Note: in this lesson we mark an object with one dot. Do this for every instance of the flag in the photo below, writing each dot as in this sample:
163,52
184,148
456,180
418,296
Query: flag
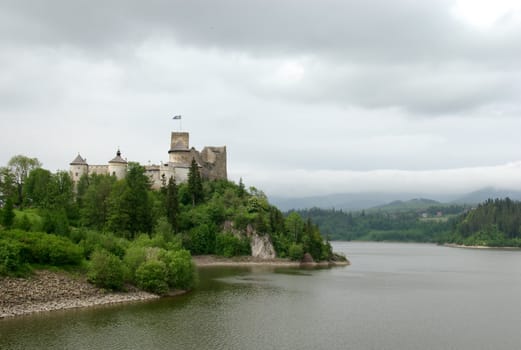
177,117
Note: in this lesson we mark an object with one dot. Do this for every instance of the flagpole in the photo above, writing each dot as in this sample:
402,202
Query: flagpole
178,117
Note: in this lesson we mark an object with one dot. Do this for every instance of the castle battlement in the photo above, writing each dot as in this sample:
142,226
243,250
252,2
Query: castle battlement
211,161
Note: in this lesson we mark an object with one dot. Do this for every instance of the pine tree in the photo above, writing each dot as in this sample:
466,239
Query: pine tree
8,214
172,203
195,184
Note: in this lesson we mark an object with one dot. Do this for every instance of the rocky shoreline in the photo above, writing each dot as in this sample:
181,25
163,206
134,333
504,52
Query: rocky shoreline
244,261
454,245
48,291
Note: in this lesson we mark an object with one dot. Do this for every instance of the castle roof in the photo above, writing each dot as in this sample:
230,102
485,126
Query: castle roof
78,161
118,159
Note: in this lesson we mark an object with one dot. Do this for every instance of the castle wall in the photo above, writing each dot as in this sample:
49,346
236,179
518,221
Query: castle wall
211,161
98,169
77,171
117,169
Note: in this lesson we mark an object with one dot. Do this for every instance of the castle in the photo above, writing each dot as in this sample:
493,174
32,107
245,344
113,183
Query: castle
211,162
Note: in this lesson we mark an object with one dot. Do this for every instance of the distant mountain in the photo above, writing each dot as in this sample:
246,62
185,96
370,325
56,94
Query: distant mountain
486,193
344,201
369,200
411,204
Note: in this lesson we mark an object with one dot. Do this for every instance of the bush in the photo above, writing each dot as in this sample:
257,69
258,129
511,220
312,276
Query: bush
134,257
93,240
296,251
228,245
22,223
152,276
106,270
201,240
10,257
181,269
49,249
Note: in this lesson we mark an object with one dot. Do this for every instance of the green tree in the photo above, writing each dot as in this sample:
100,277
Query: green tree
38,189
8,187
20,167
8,214
94,203
195,184
130,210
172,203
294,226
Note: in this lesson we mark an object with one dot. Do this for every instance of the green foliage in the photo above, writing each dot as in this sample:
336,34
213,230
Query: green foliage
55,221
195,184
10,256
46,249
106,270
152,276
20,167
180,269
228,245
398,226
201,240
172,203
7,214
129,207
93,199
296,251
493,223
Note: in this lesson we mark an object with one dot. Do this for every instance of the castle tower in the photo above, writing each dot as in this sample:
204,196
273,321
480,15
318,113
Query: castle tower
179,153
118,166
78,168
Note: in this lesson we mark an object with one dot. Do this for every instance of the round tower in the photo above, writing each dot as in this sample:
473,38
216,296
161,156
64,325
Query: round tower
78,168
179,153
118,166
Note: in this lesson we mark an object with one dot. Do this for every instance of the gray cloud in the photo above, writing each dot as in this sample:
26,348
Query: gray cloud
324,87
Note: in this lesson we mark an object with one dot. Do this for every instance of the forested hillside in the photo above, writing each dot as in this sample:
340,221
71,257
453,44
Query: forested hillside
492,223
123,228
381,225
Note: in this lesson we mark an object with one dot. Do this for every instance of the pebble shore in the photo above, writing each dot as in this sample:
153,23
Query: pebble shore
48,291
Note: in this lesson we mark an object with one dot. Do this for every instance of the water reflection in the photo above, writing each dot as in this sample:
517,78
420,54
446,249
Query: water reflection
394,296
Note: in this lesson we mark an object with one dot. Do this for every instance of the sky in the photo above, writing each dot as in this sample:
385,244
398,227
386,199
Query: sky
311,97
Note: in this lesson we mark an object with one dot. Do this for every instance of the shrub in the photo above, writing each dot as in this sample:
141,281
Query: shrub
49,249
106,270
296,251
227,244
134,257
22,223
152,276
10,259
181,269
201,240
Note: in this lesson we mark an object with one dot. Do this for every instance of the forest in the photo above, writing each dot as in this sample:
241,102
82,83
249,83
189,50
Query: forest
122,231
406,226
495,223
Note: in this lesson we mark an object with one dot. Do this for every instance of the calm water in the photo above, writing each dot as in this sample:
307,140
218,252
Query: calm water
394,296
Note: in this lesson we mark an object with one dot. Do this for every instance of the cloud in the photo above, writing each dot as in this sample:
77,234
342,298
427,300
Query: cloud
324,86
302,183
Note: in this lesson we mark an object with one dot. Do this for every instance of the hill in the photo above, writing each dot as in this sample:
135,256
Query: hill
409,205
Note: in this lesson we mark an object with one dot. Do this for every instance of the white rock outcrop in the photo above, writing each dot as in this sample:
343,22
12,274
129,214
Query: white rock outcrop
261,247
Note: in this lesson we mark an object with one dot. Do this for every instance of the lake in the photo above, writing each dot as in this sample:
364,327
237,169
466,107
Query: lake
393,296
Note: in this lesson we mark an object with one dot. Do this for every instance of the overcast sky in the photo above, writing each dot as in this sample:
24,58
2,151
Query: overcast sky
310,97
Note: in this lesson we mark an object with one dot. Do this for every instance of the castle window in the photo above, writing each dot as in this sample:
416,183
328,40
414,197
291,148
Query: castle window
76,174
113,173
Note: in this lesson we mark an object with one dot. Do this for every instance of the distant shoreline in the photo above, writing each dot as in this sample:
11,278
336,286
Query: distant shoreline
454,245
